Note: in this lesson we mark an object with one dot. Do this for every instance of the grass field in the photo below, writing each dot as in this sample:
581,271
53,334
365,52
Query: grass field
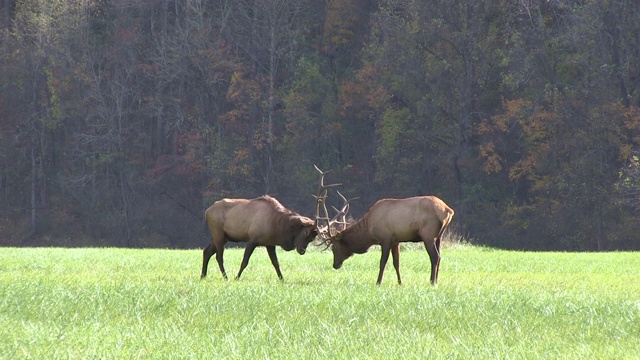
150,304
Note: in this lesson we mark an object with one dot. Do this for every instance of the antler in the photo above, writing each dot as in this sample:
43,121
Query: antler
324,231
330,226
341,217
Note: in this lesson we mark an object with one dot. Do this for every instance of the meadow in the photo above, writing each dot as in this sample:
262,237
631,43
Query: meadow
114,303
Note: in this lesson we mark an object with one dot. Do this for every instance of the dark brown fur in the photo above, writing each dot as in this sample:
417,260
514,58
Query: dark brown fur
392,221
258,222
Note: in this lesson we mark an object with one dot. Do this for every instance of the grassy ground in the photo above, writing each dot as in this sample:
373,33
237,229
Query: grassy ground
149,304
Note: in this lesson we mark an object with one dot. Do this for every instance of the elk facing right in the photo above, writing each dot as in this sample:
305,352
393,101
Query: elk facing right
388,223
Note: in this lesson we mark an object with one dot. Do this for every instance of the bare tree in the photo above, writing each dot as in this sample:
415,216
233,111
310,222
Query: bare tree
268,33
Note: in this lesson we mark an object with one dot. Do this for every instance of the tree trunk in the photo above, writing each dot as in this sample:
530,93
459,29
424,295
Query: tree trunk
270,135
34,192
125,208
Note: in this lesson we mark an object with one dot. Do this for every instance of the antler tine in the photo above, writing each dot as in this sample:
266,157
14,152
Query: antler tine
340,218
320,171
345,207
322,186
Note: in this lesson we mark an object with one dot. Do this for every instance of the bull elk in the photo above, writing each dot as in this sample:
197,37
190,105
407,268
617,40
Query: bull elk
258,222
388,223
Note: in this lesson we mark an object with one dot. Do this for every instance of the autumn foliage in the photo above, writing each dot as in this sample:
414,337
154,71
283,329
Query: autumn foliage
121,121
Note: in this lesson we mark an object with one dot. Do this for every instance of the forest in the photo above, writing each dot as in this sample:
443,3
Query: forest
121,121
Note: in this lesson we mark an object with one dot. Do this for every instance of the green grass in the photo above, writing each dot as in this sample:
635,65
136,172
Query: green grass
149,304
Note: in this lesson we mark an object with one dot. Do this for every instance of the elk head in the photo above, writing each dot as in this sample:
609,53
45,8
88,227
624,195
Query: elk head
306,232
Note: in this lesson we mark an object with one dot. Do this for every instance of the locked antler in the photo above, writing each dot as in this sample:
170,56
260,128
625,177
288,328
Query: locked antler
324,230
340,220
329,227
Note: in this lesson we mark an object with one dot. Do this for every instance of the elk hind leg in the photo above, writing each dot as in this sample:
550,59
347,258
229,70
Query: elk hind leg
271,250
438,263
395,252
383,262
434,256
432,244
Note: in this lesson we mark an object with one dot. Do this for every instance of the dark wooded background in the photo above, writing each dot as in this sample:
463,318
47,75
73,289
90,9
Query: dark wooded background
121,121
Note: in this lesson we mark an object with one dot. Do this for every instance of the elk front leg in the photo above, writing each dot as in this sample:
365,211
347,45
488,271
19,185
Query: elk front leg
248,250
271,249
395,252
383,262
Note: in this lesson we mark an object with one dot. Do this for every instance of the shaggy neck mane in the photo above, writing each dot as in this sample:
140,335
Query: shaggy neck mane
283,216
357,237
276,204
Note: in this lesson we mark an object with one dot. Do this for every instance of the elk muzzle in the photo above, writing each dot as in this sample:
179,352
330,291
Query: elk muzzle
341,252
337,260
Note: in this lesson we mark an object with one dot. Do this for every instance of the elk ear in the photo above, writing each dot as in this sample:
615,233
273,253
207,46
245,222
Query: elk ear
306,221
303,222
